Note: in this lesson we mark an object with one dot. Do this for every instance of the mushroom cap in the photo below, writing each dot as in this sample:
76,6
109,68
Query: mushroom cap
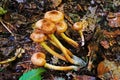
38,59
77,26
80,25
38,37
45,26
54,15
38,24
61,26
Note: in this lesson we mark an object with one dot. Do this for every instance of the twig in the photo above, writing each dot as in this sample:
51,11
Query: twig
6,27
18,52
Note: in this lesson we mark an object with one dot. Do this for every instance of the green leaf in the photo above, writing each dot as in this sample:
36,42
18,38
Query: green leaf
2,11
34,74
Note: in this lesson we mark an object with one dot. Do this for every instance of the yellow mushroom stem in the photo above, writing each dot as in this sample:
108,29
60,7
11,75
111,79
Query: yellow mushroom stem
63,49
61,68
82,38
69,52
79,26
78,60
38,59
61,28
40,38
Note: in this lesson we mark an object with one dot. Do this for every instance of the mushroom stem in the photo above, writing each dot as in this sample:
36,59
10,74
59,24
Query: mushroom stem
69,52
63,49
61,68
79,26
82,38
61,28
38,59
69,40
78,60
47,48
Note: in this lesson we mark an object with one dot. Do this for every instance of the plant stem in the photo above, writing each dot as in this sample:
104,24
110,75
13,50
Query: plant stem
6,27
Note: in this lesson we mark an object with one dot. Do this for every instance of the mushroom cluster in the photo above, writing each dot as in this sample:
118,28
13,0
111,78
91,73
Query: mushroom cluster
45,29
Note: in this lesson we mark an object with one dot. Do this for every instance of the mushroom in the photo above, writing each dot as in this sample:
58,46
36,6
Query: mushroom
61,28
58,18
38,59
54,15
79,26
40,38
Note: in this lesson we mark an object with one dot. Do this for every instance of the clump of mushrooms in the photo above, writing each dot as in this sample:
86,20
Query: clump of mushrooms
79,26
38,59
58,18
48,27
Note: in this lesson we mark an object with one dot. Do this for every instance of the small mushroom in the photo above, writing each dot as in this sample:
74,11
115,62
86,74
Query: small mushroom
61,28
38,59
40,38
79,26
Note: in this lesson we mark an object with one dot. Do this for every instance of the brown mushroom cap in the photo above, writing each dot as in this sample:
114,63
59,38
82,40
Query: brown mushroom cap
78,26
38,59
45,26
38,37
54,16
61,27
